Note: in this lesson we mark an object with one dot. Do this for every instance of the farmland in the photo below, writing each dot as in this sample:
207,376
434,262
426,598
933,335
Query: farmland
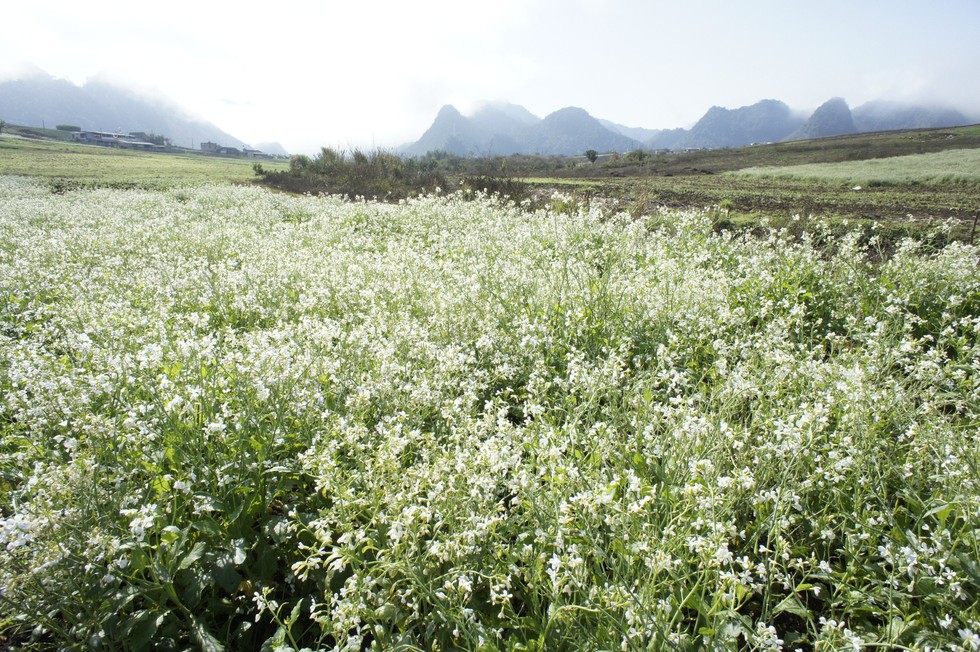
905,178
70,165
233,418
950,166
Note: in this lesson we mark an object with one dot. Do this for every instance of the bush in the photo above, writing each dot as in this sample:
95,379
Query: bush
379,175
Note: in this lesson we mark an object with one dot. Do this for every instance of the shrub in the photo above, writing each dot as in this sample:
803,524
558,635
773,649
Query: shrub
378,175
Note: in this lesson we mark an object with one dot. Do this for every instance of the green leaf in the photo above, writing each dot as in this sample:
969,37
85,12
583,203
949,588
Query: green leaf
160,485
942,513
897,628
242,516
226,576
926,586
266,563
791,604
208,527
969,566
174,370
193,588
275,641
238,555
204,638
294,614
192,556
170,534
138,560
141,628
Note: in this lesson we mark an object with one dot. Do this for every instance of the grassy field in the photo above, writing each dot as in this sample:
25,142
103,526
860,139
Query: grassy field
837,149
74,165
895,210
906,179
951,166
238,419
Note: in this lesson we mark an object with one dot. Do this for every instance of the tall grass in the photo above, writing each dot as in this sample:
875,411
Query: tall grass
231,418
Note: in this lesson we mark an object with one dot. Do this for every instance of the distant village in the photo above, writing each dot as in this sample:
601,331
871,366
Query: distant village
215,148
150,142
138,140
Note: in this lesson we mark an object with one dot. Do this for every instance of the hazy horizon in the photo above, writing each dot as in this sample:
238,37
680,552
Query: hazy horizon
376,74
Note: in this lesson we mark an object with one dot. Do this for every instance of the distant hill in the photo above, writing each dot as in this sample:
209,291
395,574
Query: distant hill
571,131
501,126
882,115
502,117
503,129
832,118
274,149
640,134
41,100
763,122
451,132
666,139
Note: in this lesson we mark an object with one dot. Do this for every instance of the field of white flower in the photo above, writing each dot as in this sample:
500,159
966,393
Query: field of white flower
231,419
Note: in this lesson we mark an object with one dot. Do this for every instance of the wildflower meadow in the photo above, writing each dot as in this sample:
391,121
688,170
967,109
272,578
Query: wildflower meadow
236,419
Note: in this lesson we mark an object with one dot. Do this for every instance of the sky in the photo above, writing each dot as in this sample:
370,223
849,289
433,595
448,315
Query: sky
374,73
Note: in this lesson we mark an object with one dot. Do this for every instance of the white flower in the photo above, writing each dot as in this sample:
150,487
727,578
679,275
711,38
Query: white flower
723,555
17,531
970,639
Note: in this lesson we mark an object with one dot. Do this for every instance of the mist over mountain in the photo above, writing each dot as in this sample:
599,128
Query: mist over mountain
571,131
504,117
882,115
636,133
666,138
504,129
39,99
452,132
273,149
763,122
832,118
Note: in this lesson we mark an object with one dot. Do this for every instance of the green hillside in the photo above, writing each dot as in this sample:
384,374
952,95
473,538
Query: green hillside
77,164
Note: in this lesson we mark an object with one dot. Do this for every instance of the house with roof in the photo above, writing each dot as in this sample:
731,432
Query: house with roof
114,139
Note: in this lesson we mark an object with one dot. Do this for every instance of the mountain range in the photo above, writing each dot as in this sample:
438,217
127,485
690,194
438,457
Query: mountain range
503,129
495,128
38,99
